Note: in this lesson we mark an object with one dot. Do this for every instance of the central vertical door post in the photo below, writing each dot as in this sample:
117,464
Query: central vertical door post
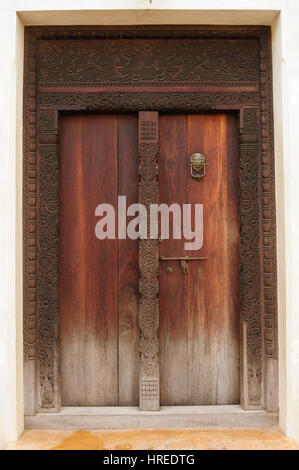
149,386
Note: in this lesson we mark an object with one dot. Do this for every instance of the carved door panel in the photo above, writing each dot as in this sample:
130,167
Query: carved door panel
98,278
199,311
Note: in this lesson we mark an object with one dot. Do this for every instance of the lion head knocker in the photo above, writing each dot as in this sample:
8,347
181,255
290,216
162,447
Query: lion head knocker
198,163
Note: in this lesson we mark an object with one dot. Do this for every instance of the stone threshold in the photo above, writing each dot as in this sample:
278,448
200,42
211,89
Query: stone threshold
169,417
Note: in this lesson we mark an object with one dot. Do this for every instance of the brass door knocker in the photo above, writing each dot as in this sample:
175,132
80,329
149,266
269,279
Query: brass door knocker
197,162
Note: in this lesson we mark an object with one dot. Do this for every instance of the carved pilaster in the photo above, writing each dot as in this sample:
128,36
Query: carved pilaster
48,251
250,270
269,226
29,224
149,389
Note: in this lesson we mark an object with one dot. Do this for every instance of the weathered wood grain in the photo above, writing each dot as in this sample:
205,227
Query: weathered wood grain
173,177
128,351
88,266
199,311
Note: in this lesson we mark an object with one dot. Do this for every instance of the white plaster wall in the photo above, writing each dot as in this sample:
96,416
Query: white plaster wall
283,15
11,363
286,128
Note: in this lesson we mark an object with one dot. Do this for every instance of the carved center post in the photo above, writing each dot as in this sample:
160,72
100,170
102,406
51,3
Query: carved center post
149,388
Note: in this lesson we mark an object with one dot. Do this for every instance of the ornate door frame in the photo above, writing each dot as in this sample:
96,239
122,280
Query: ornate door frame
84,69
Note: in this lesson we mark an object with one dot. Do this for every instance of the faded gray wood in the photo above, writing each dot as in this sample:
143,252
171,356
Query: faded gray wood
29,388
132,418
271,389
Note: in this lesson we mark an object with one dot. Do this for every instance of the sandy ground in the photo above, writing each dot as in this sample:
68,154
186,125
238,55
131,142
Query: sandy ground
156,439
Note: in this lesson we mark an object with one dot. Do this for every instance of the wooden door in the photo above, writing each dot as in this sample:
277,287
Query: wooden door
98,278
199,311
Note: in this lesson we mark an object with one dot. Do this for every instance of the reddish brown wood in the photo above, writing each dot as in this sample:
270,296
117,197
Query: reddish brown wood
128,266
173,294
213,322
99,278
199,311
88,266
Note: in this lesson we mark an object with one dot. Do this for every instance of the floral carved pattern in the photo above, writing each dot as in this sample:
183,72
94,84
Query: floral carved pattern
149,266
250,277
267,177
48,281
153,62
132,102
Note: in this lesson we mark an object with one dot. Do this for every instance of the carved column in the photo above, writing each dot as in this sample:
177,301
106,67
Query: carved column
149,389
30,222
48,377
252,396
267,178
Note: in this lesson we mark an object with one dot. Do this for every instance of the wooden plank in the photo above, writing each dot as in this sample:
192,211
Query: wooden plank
212,314
88,266
173,293
233,252
149,384
128,266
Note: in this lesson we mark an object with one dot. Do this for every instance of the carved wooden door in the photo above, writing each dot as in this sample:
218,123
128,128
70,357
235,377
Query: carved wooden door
122,341
106,322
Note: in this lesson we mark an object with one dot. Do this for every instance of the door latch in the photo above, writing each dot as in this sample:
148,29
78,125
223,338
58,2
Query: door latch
184,261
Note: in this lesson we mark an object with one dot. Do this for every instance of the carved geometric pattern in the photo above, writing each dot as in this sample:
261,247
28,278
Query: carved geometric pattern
48,121
29,202
167,101
149,389
148,62
250,120
148,130
267,177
